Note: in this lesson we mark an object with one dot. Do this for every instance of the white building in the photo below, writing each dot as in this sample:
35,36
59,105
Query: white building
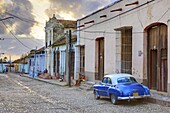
55,44
128,36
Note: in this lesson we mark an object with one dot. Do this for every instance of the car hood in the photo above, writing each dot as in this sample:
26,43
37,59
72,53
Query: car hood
130,88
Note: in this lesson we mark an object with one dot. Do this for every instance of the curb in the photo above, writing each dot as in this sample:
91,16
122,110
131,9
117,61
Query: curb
42,80
158,101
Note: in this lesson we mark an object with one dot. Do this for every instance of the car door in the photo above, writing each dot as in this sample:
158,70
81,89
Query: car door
107,86
102,88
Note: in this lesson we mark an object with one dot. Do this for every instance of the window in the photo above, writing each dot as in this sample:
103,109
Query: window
126,51
126,80
109,81
104,80
46,44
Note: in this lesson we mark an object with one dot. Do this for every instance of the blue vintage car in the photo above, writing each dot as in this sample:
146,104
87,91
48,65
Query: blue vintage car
120,87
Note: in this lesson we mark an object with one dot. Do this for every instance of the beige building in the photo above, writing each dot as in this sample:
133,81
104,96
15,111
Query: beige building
128,36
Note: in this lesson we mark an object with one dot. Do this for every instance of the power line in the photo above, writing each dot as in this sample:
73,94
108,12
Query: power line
25,19
15,36
114,17
164,14
23,33
1,19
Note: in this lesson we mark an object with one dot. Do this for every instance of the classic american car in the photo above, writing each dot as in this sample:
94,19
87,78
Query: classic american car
120,87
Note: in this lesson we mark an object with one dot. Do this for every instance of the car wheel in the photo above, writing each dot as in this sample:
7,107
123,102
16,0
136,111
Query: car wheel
113,99
96,95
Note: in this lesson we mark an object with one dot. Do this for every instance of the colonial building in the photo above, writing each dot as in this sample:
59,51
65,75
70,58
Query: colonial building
128,36
36,62
55,46
20,65
59,49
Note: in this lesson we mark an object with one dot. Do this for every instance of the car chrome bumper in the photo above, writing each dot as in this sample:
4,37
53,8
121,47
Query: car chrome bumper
133,97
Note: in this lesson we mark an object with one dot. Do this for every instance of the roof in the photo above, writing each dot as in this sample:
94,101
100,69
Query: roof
118,75
68,23
32,52
114,77
62,41
108,6
65,23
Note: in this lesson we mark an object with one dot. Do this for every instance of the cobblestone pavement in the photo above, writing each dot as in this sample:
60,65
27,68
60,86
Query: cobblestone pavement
23,95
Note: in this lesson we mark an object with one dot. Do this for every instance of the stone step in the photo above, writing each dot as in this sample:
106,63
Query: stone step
87,85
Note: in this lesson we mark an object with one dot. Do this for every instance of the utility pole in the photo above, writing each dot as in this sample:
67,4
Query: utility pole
70,60
67,58
1,61
23,70
10,63
34,62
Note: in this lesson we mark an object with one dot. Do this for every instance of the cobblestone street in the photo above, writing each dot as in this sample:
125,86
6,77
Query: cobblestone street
23,95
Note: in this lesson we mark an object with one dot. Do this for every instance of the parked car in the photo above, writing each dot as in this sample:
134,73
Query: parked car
120,87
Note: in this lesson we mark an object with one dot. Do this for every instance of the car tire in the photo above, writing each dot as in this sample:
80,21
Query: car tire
96,96
113,99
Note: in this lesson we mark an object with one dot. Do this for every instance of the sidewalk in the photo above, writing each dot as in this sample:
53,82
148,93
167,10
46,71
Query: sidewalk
50,81
159,98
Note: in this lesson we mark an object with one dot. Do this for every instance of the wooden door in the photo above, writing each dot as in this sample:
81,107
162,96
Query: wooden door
101,59
157,48
54,67
153,69
58,62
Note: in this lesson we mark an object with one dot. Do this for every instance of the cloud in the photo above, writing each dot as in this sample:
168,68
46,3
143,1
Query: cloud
10,46
21,11
78,8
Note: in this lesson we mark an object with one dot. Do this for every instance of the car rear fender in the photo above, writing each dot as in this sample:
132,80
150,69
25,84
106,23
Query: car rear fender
114,91
146,90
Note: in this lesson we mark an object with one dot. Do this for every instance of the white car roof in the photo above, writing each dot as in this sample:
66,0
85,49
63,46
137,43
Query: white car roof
114,77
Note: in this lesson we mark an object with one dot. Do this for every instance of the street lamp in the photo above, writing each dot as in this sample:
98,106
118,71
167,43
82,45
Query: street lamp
1,19
1,61
1,38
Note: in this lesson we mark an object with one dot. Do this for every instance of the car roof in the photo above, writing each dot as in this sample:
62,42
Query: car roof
115,76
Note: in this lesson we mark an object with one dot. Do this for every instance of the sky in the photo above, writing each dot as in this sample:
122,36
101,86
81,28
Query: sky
26,30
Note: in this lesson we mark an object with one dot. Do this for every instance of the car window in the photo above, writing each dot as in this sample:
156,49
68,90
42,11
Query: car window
126,79
104,80
109,81
132,79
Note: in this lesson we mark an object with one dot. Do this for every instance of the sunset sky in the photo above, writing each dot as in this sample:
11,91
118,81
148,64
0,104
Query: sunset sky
30,17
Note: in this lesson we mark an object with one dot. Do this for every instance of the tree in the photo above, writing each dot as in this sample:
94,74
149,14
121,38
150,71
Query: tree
5,59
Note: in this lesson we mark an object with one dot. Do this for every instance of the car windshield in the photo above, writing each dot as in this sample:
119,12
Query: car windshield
126,79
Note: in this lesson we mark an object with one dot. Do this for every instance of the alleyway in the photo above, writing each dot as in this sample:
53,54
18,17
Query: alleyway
23,95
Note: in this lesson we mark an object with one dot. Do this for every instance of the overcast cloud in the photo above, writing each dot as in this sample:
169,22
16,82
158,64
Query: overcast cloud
78,8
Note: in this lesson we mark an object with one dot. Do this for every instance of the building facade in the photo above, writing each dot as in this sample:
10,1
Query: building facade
36,62
128,36
55,44
60,56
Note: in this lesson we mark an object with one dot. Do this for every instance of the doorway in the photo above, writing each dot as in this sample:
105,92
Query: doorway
157,59
100,58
